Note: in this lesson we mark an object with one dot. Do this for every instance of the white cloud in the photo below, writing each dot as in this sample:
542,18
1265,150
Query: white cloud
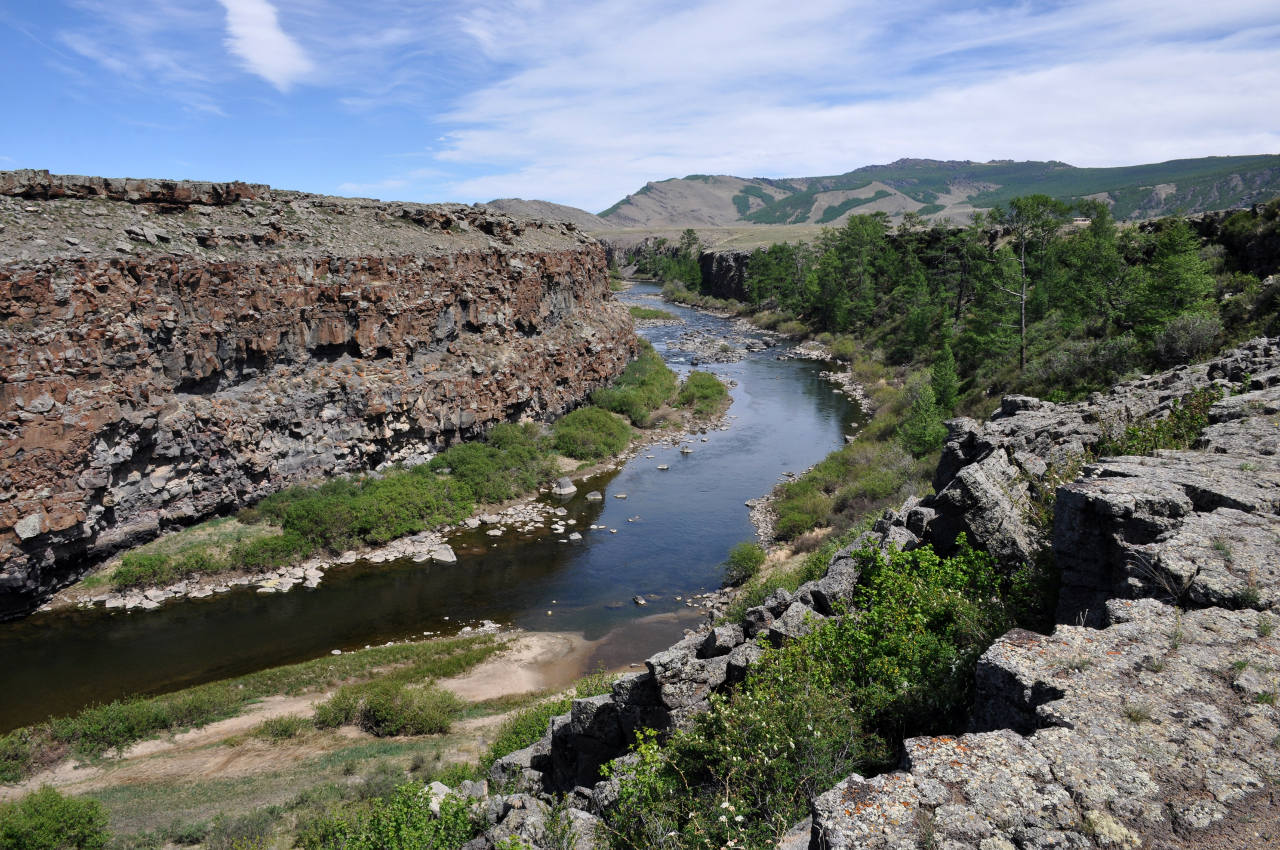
254,34
757,88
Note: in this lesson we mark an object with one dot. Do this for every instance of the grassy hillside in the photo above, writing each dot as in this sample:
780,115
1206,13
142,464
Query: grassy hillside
953,190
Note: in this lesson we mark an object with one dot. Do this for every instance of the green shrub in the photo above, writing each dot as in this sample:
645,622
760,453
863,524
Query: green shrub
845,348
745,560
793,329
272,552
590,433
401,821
15,756
46,820
818,708
251,831
703,392
523,728
923,430
1182,427
390,707
644,386
139,569
509,463
1187,338
282,728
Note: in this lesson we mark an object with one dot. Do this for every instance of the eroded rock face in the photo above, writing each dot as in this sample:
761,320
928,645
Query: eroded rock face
268,339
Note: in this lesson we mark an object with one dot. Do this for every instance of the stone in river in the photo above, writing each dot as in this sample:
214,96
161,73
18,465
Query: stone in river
595,496
563,487
444,554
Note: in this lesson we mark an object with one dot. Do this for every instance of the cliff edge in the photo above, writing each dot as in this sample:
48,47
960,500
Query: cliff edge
174,349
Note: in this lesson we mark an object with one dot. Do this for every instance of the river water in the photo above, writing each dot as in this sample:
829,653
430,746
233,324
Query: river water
674,530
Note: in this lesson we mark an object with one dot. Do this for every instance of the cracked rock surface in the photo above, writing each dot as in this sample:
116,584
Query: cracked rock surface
1159,731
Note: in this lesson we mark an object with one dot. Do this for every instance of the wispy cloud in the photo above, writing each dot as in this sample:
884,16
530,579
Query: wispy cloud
254,34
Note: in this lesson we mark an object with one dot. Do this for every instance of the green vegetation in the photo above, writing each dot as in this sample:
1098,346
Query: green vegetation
281,728
644,386
525,727
650,313
1184,424
828,704
509,462
703,392
834,211
102,728
744,562
401,821
46,820
590,433
392,705
661,260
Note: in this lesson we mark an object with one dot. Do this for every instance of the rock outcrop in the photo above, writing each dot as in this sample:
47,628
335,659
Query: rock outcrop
1136,723
173,350
724,273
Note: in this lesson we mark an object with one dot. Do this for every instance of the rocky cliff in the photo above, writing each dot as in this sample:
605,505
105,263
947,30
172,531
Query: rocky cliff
173,349
1147,718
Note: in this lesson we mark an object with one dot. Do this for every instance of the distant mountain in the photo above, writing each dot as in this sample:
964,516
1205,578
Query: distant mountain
520,208
950,189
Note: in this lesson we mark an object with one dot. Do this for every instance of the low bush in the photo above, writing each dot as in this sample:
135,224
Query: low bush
401,821
845,348
390,707
590,433
249,831
809,713
1187,338
745,560
46,820
1182,427
644,386
525,727
282,728
139,569
794,329
510,462
703,392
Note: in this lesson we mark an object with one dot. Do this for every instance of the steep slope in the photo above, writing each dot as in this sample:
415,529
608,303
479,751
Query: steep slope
950,189
173,350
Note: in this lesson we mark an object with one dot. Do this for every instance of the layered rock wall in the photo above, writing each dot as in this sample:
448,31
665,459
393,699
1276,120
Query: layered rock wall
177,350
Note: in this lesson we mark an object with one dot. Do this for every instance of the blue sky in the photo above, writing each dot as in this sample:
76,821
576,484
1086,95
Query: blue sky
583,102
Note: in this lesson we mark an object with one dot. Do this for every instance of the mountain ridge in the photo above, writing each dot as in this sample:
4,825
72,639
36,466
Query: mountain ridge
954,189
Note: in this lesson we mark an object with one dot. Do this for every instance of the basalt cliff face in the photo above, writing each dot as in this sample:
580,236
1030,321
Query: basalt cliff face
172,350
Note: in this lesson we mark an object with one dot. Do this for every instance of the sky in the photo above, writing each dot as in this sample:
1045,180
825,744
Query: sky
584,102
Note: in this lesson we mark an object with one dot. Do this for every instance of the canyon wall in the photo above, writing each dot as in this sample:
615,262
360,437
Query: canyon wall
174,350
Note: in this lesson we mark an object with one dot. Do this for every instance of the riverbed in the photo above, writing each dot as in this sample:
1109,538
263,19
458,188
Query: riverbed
664,542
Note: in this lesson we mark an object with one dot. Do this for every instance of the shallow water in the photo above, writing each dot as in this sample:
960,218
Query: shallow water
673,532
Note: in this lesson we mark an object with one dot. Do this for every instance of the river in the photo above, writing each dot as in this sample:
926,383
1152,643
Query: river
673,531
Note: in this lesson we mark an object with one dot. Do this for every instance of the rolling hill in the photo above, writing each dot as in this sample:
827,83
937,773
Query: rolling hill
950,189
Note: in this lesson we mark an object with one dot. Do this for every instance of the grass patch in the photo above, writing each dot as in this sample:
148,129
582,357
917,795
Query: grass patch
102,728
590,433
703,392
650,313
282,728
390,706
511,461
644,386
